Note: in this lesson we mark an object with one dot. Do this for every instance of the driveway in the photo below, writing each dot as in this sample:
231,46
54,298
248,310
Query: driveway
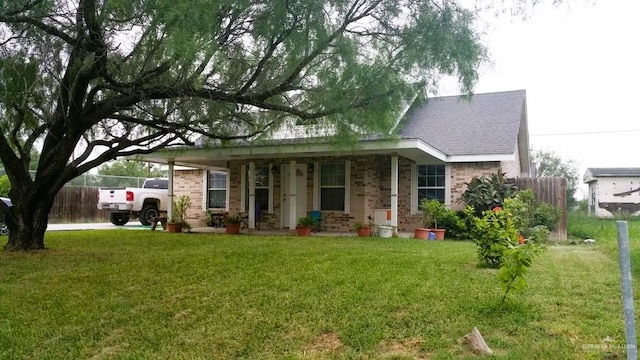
94,226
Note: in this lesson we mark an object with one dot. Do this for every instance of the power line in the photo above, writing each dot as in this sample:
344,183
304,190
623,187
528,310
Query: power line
587,133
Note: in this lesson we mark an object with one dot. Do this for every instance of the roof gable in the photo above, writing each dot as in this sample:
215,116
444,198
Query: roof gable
484,124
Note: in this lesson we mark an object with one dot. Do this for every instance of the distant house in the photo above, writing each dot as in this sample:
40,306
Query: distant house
441,144
613,190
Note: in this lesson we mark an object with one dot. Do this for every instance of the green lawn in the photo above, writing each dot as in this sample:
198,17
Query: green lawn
122,294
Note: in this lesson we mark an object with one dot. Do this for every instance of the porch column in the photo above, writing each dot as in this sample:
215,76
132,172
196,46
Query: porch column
252,195
394,191
170,190
292,195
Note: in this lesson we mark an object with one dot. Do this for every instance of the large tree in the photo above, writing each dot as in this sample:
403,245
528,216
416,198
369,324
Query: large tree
87,81
548,163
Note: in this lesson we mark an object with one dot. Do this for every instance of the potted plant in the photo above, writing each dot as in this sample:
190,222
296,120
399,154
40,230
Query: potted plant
177,222
421,233
304,225
433,210
232,224
364,230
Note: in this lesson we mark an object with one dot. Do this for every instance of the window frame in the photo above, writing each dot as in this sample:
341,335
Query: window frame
344,186
210,188
427,187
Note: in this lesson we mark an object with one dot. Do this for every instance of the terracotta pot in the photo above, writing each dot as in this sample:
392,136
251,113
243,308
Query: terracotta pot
439,233
232,229
303,231
421,233
364,231
174,227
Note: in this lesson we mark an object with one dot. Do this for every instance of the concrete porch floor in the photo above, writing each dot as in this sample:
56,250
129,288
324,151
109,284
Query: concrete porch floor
285,232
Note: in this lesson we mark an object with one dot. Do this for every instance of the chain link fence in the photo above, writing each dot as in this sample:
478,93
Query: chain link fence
100,180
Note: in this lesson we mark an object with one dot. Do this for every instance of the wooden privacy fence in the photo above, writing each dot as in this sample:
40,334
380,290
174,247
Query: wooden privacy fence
77,204
553,191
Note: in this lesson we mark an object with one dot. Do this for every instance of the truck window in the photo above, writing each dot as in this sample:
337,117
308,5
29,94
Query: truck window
156,184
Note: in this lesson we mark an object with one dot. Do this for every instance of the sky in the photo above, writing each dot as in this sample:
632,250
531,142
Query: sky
579,63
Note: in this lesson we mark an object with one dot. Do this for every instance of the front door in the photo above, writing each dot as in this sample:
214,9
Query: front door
301,193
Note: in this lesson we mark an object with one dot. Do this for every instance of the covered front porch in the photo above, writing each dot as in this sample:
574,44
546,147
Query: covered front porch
274,186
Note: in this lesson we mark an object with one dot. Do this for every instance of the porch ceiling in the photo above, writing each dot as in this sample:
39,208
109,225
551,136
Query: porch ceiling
217,157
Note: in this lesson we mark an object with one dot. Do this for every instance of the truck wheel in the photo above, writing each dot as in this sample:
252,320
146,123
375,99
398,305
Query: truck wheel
147,214
4,229
119,219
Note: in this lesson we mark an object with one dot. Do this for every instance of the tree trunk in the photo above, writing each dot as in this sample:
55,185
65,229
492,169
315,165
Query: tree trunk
27,226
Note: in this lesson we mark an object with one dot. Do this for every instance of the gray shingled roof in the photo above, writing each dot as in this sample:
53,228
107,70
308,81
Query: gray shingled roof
614,172
485,124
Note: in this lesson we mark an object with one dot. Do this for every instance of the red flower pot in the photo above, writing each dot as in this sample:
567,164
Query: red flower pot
364,231
232,228
439,233
421,233
303,231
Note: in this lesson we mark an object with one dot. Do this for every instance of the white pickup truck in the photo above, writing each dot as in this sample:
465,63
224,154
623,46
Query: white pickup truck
144,203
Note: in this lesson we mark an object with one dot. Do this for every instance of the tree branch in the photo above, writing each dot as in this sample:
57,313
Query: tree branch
50,30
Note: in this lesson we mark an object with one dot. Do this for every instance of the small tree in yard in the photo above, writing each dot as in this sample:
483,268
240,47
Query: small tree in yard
501,243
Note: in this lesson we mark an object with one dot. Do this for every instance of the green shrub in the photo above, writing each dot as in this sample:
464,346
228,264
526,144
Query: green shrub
485,193
516,261
546,215
307,221
433,211
455,225
494,233
529,213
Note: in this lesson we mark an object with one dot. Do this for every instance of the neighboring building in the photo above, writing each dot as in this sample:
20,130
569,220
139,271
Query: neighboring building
613,191
442,143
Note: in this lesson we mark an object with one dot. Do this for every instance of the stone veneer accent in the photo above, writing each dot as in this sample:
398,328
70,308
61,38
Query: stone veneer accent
370,189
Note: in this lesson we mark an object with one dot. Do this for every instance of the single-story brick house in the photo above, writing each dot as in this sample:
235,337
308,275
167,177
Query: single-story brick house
613,190
441,143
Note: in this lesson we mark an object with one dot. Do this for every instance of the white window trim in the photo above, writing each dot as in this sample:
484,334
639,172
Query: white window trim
414,186
447,185
347,185
316,186
270,210
205,190
243,185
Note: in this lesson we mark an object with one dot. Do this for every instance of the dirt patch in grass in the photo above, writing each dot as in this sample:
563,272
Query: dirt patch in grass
325,345
111,351
406,349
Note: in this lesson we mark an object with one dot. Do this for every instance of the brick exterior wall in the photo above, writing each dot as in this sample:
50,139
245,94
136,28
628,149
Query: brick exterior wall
370,189
462,173
189,182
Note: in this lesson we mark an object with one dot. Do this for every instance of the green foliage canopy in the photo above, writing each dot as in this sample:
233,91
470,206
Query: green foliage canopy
130,168
89,81
551,164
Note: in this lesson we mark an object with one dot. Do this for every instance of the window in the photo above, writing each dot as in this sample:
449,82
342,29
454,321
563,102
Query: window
262,187
332,186
431,182
217,190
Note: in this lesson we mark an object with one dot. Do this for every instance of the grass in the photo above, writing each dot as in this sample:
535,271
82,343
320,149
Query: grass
121,294
605,232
